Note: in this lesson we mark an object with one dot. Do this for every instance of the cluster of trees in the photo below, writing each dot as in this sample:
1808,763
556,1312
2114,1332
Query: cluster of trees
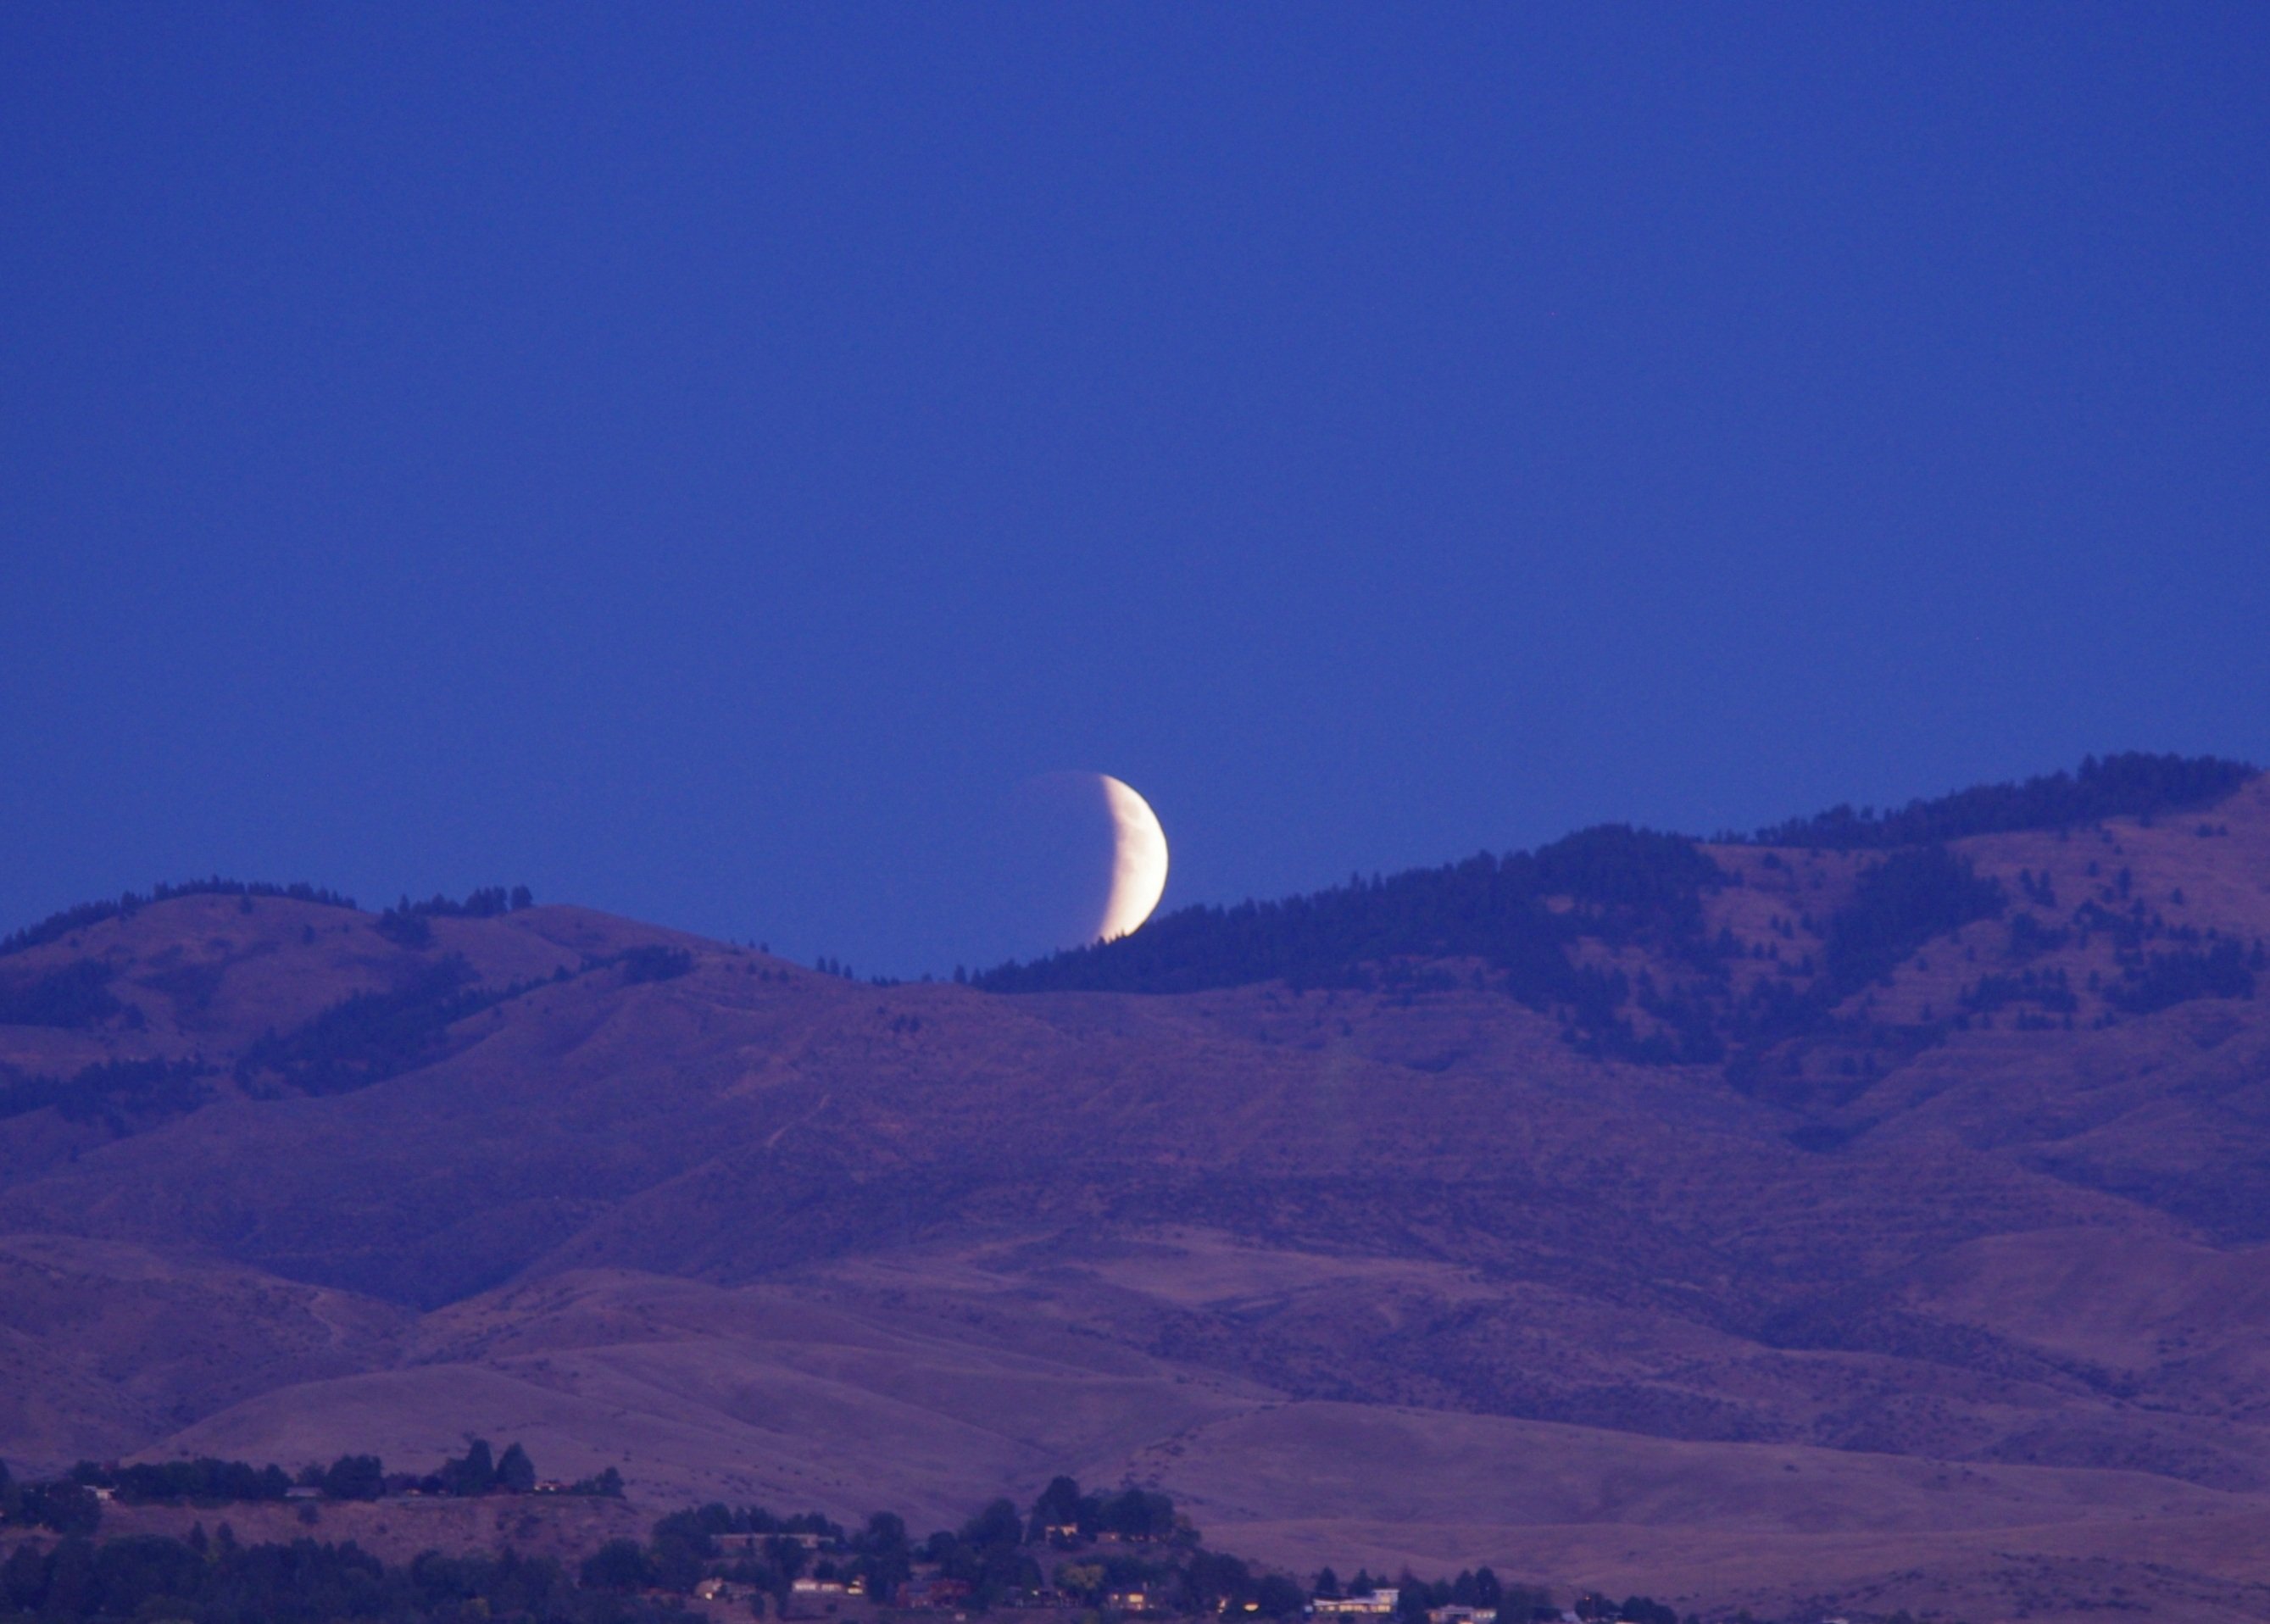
987,1554
1596,1608
2158,981
1625,882
56,926
2052,991
112,1090
479,1471
1476,1588
1900,904
208,1480
205,1480
408,924
1063,1513
74,995
655,961
2131,785
1130,1540
2037,887
217,1581
1135,1540
1201,1582
63,1507
371,1036
2031,939
993,1556
1518,914
686,1548
1522,916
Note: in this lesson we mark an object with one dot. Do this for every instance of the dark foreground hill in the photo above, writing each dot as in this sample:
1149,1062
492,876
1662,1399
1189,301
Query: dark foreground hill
1873,1216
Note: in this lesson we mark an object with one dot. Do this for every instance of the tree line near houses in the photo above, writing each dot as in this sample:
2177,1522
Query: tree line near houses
1098,1552
1071,1549
201,1580
72,1503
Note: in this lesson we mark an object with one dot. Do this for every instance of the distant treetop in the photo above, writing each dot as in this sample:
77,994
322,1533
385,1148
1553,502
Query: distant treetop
2133,785
56,926
407,918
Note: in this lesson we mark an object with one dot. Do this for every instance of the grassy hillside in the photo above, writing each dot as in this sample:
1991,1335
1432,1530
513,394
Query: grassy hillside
1949,1255
1617,934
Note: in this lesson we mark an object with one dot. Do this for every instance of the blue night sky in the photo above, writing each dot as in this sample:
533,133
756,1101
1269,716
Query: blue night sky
696,459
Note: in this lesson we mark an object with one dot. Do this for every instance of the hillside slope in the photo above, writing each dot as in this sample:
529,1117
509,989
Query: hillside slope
1406,1267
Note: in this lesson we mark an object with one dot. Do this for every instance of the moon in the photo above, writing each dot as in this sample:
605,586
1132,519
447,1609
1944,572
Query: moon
1139,861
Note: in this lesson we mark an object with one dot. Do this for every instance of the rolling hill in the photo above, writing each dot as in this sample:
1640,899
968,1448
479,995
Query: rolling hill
1871,1209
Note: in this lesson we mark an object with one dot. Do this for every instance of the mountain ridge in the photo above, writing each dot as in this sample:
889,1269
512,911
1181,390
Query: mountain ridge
1549,925
742,1228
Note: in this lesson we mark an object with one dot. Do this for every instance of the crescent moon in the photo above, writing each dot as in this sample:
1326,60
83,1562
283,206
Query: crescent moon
1139,861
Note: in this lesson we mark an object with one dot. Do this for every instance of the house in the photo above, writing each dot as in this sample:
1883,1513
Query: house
1128,1601
819,1587
1372,1605
1461,1615
303,1491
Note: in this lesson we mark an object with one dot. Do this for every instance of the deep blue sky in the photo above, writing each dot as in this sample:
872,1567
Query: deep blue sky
697,459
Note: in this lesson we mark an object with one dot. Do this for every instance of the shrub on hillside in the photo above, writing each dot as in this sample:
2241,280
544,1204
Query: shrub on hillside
655,962
407,923
2163,979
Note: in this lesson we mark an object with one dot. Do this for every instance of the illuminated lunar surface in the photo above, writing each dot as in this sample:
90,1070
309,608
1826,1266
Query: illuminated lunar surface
1139,861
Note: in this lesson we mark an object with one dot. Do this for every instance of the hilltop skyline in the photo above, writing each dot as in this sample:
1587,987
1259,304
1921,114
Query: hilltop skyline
1746,1224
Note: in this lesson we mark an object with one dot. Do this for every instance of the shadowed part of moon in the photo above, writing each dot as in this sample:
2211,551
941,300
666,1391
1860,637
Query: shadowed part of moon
1139,861
1071,858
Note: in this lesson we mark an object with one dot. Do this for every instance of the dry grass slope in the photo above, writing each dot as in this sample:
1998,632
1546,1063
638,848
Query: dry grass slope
1977,1324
